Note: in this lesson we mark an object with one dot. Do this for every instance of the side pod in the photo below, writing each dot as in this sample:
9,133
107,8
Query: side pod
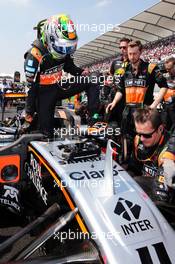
12,158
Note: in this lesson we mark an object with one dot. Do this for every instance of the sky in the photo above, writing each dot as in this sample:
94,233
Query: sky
18,17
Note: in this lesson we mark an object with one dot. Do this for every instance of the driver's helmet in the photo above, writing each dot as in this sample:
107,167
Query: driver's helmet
59,36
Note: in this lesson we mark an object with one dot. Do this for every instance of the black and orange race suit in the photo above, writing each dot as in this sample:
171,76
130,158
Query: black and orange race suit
116,65
147,162
138,89
169,101
44,76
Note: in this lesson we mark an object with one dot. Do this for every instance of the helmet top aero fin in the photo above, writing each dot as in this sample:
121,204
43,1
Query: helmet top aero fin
39,28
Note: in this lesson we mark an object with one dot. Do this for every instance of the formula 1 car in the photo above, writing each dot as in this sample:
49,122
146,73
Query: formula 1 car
79,205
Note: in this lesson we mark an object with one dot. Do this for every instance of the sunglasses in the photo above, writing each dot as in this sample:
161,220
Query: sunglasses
149,135
122,47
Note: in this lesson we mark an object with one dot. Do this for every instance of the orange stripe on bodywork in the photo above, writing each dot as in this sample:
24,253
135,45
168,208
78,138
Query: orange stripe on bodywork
66,195
10,160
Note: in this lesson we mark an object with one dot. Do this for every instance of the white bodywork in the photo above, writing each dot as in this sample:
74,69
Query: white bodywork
123,221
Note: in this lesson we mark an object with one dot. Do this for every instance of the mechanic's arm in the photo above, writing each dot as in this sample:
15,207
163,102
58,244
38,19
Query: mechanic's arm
116,99
168,161
169,172
118,95
159,98
162,83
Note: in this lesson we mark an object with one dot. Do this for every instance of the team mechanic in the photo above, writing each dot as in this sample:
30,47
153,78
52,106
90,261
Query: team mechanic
137,85
116,70
169,98
50,54
154,154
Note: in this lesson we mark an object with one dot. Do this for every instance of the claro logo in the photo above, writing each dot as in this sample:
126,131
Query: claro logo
87,175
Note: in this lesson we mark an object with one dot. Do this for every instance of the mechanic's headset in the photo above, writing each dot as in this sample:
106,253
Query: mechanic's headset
38,27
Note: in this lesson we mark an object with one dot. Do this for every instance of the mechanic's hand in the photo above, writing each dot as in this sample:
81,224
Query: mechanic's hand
28,118
169,172
153,105
110,107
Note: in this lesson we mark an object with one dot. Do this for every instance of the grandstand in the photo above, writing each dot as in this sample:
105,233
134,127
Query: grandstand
153,52
154,27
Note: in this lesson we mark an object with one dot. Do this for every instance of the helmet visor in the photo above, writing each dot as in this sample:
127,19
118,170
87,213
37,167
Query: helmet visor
63,49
